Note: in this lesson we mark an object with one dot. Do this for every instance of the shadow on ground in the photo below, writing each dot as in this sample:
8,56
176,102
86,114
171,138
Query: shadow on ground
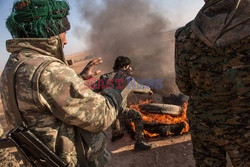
177,155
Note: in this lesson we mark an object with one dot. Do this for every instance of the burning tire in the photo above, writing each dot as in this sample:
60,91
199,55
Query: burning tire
161,119
157,108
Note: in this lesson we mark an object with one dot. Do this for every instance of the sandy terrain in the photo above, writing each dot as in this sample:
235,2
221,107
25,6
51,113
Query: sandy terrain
174,151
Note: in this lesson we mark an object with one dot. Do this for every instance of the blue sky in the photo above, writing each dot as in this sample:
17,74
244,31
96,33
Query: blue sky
179,12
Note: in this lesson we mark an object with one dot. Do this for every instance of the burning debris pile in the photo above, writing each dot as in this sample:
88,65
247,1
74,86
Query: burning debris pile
162,119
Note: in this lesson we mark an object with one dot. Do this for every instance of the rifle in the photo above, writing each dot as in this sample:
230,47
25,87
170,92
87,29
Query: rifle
34,150
31,148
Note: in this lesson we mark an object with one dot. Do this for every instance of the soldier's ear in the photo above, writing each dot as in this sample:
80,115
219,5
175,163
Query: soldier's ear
125,67
63,38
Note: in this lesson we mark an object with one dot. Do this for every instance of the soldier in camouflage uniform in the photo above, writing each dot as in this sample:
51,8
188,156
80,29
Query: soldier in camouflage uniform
6,158
54,101
123,62
212,67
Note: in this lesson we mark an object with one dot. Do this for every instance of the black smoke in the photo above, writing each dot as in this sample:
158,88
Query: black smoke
135,29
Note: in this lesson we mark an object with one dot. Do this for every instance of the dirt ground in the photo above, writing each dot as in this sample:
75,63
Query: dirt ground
171,151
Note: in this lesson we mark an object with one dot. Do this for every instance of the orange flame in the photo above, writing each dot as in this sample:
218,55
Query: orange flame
161,118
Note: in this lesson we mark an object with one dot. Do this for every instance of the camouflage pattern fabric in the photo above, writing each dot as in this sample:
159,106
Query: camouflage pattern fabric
116,128
215,74
128,114
54,101
6,158
135,117
211,142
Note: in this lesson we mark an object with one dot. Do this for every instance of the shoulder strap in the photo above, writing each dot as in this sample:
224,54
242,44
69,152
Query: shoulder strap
12,95
35,81
12,90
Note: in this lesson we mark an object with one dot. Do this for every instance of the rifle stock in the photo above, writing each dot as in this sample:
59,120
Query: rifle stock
34,151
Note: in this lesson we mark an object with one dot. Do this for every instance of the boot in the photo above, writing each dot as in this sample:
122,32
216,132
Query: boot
116,137
141,145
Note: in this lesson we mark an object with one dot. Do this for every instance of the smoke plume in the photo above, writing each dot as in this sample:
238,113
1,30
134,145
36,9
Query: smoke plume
131,28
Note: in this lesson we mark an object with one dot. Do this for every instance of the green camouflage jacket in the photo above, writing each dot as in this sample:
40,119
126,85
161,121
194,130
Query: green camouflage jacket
212,61
54,100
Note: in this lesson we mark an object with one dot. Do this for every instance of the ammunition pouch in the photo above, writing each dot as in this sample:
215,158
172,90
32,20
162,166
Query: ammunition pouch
33,150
